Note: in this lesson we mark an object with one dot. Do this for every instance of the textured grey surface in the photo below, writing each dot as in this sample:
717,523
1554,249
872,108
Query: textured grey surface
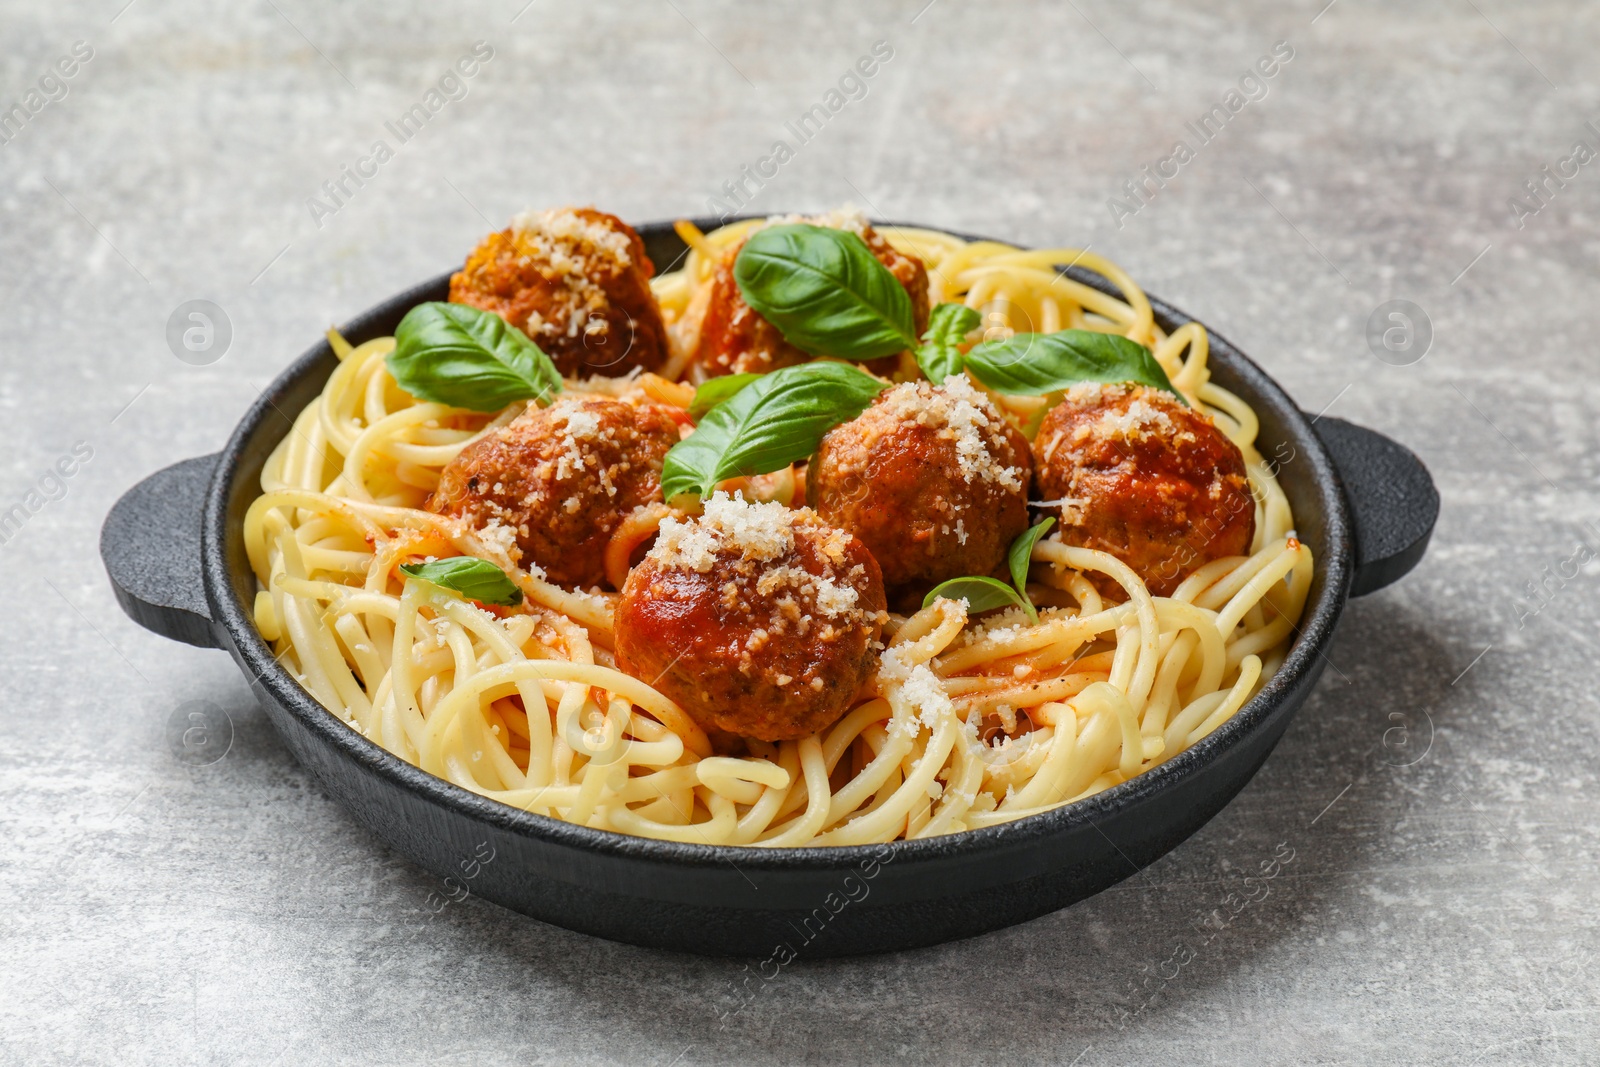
1437,792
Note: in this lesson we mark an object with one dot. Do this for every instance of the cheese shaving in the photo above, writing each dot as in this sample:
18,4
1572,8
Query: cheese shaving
962,415
848,217
568,238
758,532
914,687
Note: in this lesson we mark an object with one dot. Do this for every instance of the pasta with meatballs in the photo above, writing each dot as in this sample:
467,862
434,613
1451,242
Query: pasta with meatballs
836,534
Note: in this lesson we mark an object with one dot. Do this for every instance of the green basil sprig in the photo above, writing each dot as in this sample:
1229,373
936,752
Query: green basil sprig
986,594
1034,364
981,594
475,579
460,355
715,390
948,326
1019,557
825,292
769,424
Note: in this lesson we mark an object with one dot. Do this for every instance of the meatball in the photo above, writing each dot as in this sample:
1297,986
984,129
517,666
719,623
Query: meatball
736,340
575,280
756,619
1137,474
933,479
561,479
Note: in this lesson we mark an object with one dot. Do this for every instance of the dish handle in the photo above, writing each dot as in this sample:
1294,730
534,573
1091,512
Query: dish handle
150,544
1393,502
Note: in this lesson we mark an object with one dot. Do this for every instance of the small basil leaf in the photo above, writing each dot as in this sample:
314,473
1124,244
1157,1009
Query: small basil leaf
715,391
825,292
1020,555
1034,364
475,579
463,356
981,594
767,425
948,326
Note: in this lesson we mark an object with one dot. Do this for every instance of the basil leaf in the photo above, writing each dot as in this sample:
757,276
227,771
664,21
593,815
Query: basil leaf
460,355
1020,555
715,391
981,594
948,326
986,594
475,579
825,292
767,425
1033,364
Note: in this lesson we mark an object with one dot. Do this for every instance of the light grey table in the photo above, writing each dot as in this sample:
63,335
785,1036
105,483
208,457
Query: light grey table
1437,792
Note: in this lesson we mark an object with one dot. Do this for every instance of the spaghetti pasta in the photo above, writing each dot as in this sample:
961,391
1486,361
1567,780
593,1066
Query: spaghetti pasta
969,723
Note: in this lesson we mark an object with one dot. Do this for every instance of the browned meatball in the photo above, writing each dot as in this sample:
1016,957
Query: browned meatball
575,280
1146,479
756,619
561,479
736,340
933,479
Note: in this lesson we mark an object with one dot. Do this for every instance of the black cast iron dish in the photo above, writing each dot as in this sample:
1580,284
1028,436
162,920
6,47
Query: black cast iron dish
173,549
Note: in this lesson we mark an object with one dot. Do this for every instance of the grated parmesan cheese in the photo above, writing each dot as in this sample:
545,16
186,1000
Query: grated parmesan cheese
848,217
1087,394
1001,626
1145,415
916,687
498,536
758,532
582,426
755,550
963,415
834,599
578,256
563,235
1135,422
